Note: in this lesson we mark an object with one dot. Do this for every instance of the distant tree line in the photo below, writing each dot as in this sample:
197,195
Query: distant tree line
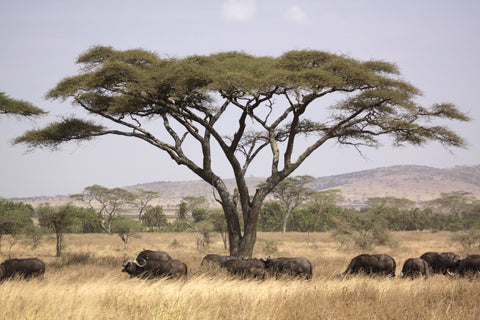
451,212
295,208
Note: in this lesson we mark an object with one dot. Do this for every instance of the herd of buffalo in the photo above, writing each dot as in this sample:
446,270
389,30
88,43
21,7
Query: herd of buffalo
152,264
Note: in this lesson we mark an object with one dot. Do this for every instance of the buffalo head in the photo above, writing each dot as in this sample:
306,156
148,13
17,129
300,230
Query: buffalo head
133,267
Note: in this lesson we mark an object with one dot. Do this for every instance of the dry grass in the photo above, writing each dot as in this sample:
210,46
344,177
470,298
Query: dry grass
87,284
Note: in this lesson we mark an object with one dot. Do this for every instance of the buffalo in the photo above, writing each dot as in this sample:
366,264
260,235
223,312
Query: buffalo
155,268
470,265
25,268
245,268
153,255
442,262
372,264
415,267
216,259
298,266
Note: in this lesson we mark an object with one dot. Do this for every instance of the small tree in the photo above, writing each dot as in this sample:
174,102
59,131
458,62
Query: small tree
35,234
125,228
106,203
59,220
455,203
292,192
217,219
154,217
14,218
182,211
201,231
327,198
143,199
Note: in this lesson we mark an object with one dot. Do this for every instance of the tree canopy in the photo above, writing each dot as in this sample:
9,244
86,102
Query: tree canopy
243,106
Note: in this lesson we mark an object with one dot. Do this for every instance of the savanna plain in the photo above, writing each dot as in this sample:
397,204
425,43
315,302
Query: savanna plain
87,282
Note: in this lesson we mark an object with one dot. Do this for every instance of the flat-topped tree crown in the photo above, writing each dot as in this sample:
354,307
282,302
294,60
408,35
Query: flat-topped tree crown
269,103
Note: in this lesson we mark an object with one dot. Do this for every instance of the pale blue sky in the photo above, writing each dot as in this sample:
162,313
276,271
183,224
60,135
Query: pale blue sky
434,43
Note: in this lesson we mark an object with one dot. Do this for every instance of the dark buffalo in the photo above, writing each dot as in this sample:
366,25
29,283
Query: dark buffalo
148,255
216,259
245,268
298,266
155,268
442,262
372,264
25,268
415,267
470,266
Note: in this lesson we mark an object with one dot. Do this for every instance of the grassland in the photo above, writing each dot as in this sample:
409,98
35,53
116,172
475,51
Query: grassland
87,283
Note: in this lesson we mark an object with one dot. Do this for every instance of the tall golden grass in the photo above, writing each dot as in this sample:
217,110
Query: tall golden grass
87,283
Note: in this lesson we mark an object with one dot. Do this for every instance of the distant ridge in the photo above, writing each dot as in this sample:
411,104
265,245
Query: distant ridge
417,183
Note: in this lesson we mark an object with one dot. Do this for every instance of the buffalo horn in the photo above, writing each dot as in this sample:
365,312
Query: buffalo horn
450,274
138,263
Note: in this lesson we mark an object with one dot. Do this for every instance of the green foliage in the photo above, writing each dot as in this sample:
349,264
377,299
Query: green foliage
268,100
142,199
14,217
217,218
390,202
59,132
34,234
125,228
199,214
271,216
179,225
182,211
456,203
154,218
17,107
59,220
292,192
314,218
85,221
110,202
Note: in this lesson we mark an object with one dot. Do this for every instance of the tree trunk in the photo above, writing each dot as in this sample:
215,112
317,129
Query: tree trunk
242,245
285,218
59,244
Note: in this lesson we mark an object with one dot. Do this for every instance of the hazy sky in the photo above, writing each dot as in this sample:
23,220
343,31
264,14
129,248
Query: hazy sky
435,44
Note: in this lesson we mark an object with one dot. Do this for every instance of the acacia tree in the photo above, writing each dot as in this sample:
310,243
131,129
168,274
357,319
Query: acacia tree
292,192
455,202
59,219
142,200
125,228
105,202
271,100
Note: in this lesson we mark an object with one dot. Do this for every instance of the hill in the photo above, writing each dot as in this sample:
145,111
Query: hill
417,183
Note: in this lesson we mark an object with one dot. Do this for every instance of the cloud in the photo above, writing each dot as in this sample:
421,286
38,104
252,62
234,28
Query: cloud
297,15
238,10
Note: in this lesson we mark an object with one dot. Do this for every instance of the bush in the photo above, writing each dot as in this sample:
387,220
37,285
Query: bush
467,239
